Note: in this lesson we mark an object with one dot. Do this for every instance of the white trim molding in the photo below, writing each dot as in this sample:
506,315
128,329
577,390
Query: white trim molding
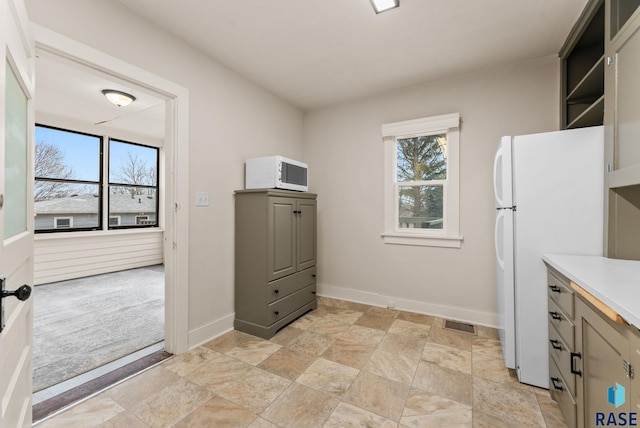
449,236
374,299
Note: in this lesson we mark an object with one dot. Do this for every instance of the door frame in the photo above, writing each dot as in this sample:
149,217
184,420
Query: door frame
176,206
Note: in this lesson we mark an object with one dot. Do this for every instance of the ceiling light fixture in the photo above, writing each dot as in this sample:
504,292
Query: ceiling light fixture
119,98
383,5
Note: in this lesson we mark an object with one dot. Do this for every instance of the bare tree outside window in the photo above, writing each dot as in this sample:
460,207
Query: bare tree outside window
50,162
421,169
135,170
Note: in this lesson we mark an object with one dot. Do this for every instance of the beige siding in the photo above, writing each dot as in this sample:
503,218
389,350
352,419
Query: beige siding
74,255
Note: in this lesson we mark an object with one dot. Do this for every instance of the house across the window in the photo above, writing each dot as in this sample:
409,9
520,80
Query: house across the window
139,210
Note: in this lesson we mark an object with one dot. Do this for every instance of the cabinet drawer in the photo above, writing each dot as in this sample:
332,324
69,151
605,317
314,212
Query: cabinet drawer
562,324
561,354
284,286
285,306
562,396
561,293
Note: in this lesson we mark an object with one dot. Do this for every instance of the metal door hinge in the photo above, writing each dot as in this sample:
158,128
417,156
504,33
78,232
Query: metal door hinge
628,369
175,245
610,60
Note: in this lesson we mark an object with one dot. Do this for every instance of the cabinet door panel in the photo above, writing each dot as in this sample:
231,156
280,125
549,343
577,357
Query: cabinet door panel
627,150
306,234
281,238
634,395
604,347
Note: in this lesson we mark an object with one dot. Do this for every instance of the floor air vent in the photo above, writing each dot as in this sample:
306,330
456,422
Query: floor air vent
460,326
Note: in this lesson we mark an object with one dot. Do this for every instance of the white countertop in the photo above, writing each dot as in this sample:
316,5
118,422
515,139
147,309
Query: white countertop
616,283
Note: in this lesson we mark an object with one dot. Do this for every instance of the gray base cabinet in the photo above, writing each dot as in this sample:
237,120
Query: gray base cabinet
592,360
275,252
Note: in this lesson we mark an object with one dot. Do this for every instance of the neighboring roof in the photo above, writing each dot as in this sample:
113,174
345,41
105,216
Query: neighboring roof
88,204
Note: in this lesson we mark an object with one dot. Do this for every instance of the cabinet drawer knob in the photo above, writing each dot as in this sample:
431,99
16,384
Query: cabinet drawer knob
573,356
276,312
554,288
555,344
555,316
276,291
557,384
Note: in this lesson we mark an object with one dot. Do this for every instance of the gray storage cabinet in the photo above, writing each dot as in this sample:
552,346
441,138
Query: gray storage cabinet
275,252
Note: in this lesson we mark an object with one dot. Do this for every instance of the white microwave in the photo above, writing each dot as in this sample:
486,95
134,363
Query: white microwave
276,172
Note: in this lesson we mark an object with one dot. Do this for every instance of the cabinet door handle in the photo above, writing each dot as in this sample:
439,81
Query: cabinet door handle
555,344
555,288
573,367
557,384
555,316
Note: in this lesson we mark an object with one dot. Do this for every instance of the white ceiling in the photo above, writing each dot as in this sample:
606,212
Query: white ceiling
71,91
315,53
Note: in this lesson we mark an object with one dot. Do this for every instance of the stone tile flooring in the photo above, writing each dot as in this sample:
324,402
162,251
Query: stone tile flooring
342,365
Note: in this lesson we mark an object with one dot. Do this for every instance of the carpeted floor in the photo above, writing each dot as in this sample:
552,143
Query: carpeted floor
84,323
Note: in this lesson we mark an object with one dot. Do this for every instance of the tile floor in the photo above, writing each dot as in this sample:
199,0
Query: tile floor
342,365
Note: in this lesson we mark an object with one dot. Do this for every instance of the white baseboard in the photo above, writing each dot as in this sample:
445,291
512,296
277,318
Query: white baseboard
208,332
451,312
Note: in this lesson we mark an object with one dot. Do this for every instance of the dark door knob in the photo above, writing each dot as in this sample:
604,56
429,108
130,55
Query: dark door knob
22,293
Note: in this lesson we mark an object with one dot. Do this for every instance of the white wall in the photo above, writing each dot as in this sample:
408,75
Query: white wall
344,149
230,119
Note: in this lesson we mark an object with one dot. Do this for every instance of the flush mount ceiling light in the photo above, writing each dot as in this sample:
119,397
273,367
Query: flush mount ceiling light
384,5
119,98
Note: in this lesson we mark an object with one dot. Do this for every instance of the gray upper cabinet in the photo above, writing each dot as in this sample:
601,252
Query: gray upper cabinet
622,129
582,68
275,266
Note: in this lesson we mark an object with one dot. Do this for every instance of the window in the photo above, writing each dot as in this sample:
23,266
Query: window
133,184
142,219
63,222
421,181
67,179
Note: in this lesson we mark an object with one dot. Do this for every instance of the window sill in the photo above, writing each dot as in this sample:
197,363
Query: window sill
446,241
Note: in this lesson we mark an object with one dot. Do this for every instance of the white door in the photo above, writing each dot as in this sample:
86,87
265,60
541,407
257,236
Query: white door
16,212
505,290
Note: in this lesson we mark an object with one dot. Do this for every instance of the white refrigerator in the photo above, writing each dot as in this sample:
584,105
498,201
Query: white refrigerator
549,199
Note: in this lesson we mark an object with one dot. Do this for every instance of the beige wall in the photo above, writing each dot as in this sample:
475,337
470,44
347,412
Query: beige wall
343,146
230,119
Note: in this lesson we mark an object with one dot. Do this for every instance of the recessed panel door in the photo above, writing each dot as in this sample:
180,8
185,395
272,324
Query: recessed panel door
281,237
16,213
306,219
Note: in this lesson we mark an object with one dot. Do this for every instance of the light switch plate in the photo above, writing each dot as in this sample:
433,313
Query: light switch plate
202,199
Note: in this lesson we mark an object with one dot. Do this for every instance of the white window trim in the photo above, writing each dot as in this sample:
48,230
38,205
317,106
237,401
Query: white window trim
450,235
55,222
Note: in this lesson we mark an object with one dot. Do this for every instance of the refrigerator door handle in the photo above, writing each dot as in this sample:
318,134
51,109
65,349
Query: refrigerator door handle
496,161
499,257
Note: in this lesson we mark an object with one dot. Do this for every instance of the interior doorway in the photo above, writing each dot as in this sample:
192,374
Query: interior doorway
173,196
98,263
